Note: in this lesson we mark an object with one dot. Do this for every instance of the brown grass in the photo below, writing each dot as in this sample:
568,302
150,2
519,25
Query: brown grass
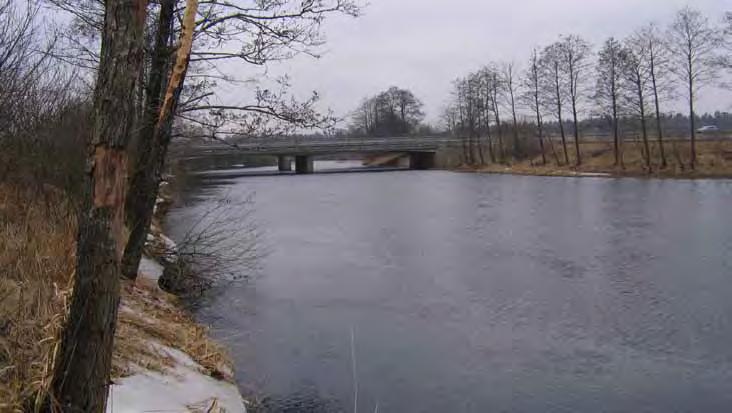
714,160
150,315
36,261
37,238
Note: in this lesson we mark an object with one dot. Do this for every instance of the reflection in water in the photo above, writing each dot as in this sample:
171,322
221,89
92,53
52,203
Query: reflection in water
474,293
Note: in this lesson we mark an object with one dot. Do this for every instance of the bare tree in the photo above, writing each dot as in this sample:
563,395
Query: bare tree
533,98
609,87
496,90
81,375
269,30
575,53
550,63
393,112
485,107
511,90
252,33
476,102
206,254
693,42
467,106
724,61
656,57
146,172
462,115
636,73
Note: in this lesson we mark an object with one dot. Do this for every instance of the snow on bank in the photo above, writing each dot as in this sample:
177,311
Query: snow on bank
150,269
184,388
164,378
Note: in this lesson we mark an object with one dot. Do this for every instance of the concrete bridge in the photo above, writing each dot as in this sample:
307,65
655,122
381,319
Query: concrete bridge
419,149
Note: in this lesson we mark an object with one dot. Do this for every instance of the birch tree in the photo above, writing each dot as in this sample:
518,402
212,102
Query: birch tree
511,90
552,88
609,87
693,43
649,42
635,70
495,91
575,53
533,98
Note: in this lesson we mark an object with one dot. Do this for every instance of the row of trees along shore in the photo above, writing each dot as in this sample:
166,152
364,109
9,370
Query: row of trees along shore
89,109
628,82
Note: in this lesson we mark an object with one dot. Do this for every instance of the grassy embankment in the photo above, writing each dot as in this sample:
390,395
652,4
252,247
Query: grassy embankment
37,237
714,160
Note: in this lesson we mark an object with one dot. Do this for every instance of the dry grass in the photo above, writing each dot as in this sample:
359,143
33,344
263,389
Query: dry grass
36,261
150,315
37,238
714,160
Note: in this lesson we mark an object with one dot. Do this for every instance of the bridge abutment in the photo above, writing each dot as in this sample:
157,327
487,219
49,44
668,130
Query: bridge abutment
284,163
421,160
304,164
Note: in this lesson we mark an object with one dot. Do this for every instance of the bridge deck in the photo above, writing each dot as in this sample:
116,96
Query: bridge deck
308,147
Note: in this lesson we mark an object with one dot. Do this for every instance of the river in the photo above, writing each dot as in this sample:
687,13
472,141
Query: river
432,291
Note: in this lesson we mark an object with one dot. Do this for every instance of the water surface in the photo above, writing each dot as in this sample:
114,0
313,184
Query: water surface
481,293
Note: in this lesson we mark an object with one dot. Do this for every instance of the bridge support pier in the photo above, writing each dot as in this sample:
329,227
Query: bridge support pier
284,163
304,164
421,160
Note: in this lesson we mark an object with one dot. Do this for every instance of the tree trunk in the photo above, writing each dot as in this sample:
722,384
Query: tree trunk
83,360
576,132
516,144
616,134
491,154
501,148
148,170
692,124
466,157
139,194
559,114
480,149
471,149
659,128
644,128
540,130
539,125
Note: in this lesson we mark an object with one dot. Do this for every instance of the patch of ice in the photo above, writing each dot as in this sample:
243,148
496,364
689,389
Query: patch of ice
150,269
183,389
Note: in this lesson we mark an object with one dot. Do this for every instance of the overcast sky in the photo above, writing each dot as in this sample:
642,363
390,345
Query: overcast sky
423,45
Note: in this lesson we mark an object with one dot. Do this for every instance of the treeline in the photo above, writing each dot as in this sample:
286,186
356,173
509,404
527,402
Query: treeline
674,125
628,85
393,112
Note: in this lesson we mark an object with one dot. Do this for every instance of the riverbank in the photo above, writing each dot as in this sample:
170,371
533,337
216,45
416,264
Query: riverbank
162,361
714,160
167,360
